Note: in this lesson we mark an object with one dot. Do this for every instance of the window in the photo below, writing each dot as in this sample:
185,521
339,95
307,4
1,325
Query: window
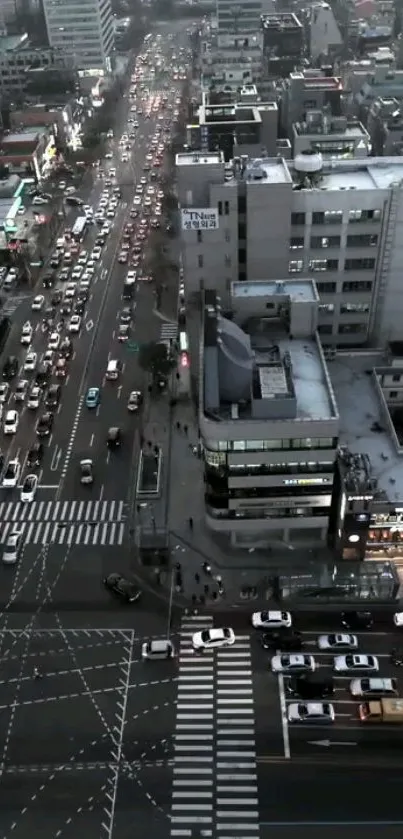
295,266
361,264
241,204
364,215
242,256
297,218
323,265
326,308
227,236
362,285
326,288
200,261
353,308
227,259
393,394
352,328
220,208
296,242
325,329
226,208
396,377
241,231
328,217
199,236
362,240
318,242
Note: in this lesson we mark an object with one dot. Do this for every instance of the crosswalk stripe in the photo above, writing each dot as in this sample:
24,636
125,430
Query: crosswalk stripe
64,522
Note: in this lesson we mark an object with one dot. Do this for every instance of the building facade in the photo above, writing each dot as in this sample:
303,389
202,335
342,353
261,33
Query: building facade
341,224
83,30
17,56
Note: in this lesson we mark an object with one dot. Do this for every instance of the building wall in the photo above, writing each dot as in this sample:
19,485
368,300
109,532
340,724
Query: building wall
82,30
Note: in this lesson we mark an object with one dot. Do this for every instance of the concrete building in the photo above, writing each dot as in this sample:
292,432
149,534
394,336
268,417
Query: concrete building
267,417
309,90
17,56
228,61
83,30
283,44
336,138
325,36
244,127
340,222
240,18
385,127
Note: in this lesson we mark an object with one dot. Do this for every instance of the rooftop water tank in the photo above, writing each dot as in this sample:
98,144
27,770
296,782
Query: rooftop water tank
308,162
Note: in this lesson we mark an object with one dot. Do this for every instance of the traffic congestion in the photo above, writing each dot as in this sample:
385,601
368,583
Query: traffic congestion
68,399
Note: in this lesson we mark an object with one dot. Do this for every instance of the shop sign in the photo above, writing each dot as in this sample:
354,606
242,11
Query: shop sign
200,219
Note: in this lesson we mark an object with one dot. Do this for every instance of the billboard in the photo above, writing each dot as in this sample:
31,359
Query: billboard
200,219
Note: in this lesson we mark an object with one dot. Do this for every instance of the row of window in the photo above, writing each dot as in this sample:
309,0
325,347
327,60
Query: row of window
268,512
345,308
336,217
347,287
343,329
296,266
366,240
298,443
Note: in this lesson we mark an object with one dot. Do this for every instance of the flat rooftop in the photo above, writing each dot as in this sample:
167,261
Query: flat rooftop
371,173
27,136
280,20
361,419
296,290
8,43
354,128
264,170
199,158
314,399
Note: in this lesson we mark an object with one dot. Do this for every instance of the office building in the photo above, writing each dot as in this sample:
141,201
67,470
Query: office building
283,44
83,30
340,222
309,90
247,126
336,138
239,18
17,56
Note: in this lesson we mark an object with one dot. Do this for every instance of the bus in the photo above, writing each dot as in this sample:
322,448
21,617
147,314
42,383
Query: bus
80,228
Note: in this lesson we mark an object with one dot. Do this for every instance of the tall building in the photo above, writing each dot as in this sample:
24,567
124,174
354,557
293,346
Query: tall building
83,30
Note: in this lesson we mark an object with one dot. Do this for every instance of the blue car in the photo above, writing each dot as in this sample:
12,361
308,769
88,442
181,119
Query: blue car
93,397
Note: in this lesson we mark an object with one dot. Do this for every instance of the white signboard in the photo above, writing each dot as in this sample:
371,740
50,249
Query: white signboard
196,219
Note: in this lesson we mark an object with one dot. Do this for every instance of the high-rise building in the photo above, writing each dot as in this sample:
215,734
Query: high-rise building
83,30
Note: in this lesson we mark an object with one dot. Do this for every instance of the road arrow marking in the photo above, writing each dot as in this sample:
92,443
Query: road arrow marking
89,325
327,743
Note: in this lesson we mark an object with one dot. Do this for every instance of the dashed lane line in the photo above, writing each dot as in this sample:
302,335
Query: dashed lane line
42,700
94,766
74,671
57,651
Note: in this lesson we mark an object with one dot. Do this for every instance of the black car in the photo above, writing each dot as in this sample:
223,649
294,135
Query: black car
114,438
64,275
83,295
35,455
44,424
310,686
43,375
74,201
57,297
357,620
283,641
66,308
55,260
53,396
79,307
122,588
48,279
10,368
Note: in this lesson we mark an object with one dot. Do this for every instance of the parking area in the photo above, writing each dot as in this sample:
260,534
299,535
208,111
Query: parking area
80,716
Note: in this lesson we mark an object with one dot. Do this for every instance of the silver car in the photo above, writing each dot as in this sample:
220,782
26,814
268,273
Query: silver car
339,641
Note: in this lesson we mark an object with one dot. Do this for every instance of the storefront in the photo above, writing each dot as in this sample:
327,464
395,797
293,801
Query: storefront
385,535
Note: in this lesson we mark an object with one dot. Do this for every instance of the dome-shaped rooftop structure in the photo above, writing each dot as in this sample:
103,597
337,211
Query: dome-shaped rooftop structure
308,162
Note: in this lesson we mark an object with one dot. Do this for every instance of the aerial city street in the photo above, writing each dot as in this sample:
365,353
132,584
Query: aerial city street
124,711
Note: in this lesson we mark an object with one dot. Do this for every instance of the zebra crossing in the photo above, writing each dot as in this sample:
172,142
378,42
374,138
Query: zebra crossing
169,331
64,522
214,768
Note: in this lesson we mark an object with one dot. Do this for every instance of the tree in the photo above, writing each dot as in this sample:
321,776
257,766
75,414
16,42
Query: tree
153,358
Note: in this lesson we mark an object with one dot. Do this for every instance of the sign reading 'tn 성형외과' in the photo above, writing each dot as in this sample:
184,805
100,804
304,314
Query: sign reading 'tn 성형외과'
197,219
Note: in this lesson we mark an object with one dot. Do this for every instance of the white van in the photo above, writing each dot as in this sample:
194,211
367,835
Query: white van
113,370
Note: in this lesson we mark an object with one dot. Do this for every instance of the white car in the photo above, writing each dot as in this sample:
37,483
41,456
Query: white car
271,620
75,323
30,362
398,619
70,290
112,172
293,663
137,201
97,253
4,391
211,639
10,423
350,662
12,474
90,266
339,641
38,303
29,488
108,155
76,272
48,358
82,259
125,158
54,341
373,688
85,282
26,334
310,712
131,276
34,398
110,213
12,548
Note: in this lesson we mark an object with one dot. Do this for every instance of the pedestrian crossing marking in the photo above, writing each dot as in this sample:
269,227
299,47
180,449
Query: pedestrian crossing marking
169,331
64,522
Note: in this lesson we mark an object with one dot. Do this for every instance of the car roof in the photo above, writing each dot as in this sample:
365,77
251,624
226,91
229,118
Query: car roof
160,646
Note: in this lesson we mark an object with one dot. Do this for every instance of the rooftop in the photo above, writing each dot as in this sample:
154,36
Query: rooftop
280,20
267,170
9,43
331,127
27,136
362,427
296,290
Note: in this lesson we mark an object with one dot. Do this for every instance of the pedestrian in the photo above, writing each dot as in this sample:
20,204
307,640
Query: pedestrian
178,426
218,579
207,568
206,589
185,428
194,599
37,673
191,522
197,578
202,599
